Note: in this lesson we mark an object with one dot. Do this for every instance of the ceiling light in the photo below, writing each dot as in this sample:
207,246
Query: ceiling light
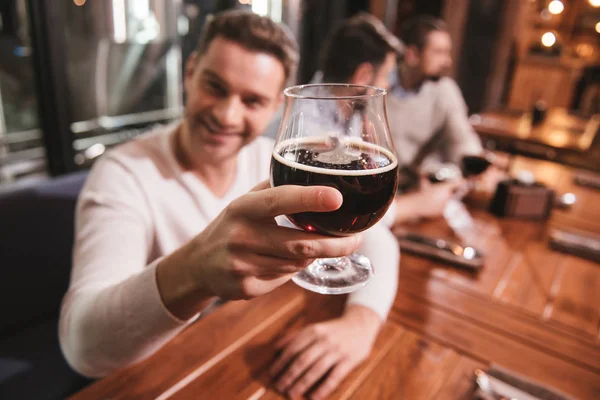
548,39
556,7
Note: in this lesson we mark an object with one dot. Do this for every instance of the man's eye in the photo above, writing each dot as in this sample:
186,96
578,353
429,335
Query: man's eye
252,103
215,88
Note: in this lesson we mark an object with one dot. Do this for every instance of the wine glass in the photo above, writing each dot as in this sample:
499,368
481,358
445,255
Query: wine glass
337,135
438,172
472,168
475,165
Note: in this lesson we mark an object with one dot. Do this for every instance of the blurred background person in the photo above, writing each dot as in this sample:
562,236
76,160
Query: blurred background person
427,112
362,51
359,51
586,96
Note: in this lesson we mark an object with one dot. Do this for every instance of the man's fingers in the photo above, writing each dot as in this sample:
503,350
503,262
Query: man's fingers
299,366
455,183
312,376
424,183
253,286
261,186
285,200
460,189
297,344
287,338
338,373
249,263
295,244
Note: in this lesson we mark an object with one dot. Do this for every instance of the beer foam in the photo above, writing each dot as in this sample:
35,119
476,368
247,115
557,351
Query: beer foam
376,155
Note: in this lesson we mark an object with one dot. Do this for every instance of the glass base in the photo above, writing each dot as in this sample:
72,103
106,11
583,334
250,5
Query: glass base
336,275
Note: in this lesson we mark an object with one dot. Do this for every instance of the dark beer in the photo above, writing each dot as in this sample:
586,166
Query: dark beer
366,176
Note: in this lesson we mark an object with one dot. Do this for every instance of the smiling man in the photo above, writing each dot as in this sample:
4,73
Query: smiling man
181,216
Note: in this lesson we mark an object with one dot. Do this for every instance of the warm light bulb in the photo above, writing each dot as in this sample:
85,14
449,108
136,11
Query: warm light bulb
556,7
598,27
79,2
595,3
584,50
548,39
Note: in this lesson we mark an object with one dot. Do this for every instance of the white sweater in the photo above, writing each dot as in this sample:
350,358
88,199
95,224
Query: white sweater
138,206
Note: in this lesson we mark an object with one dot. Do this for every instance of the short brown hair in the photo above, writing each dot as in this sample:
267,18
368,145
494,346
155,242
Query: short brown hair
360,39
255,33
414,31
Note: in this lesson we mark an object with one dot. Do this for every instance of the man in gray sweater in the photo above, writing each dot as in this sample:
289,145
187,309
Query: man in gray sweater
426,111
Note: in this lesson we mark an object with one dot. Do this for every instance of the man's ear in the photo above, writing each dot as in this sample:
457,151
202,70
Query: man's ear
363,75
190,68
279,101
412,56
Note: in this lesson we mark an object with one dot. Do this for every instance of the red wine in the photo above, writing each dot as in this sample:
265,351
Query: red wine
366,175
474,165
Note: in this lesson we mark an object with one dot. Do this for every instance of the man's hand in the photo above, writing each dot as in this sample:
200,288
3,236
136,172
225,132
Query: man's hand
243,253
487,182
328,350
428,202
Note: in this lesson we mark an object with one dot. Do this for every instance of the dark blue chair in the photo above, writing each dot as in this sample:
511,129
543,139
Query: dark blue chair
36,238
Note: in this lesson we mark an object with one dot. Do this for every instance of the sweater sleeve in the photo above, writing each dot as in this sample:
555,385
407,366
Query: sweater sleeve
461,138
389,216
112,315
381,247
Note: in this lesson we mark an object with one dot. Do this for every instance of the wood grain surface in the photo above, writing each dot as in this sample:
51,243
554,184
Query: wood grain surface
531,309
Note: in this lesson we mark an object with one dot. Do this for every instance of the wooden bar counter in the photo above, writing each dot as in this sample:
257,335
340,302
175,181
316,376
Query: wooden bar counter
562,136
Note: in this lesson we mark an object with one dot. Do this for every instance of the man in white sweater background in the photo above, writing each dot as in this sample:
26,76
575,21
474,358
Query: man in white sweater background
183,215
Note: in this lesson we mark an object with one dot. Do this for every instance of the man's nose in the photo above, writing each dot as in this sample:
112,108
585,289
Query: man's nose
229,111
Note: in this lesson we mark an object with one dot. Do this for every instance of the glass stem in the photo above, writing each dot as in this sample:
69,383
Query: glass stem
334,263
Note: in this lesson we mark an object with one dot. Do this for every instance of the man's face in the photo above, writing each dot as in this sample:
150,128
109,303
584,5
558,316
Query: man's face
382,74
232,94
436,56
